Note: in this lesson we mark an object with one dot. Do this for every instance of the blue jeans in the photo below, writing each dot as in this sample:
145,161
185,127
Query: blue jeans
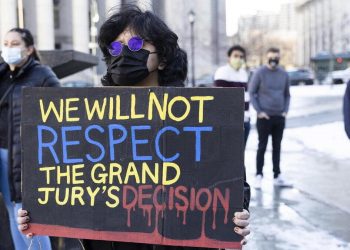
20,240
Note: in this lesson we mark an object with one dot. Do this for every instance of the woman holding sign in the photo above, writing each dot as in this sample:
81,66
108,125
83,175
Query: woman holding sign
21,68
140,50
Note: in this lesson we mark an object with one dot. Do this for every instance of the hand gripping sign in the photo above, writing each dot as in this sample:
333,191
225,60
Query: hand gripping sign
150,165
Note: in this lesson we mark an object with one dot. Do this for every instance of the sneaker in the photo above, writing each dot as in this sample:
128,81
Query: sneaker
281,182
257,182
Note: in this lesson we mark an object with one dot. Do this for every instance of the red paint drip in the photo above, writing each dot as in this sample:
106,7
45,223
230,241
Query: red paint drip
147,212
156,222
203,226
131,205
159,209
212,199
128,223
149,216
225,202
129,215
184,217
214,218
184,213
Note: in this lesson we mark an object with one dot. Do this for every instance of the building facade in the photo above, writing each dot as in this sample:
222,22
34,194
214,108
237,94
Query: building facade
211,42
323,27
263,30
74,24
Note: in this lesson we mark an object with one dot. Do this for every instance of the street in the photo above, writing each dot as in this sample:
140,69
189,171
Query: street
315,214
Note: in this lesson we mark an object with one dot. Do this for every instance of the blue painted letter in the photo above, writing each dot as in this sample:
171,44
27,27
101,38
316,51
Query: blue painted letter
160,132
66,143
135,142
48,145
112,141
99,145
198,131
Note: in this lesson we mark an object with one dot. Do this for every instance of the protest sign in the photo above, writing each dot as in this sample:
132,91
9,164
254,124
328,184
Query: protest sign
150,165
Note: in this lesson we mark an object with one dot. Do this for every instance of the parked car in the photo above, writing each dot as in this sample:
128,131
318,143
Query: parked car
341,76
205,81
77,84
300,77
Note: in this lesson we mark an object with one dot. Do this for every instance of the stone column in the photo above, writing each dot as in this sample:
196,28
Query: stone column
80,22
8,16
45,25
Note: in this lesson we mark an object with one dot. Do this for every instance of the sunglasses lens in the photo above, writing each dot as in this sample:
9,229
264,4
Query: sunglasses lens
115,48
135,43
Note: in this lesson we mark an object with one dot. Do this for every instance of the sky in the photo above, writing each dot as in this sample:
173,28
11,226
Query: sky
237,8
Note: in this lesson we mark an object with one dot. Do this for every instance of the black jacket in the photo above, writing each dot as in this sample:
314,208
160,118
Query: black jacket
32,74
347,110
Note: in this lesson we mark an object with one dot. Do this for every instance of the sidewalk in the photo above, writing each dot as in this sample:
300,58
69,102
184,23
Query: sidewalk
278,223
315,214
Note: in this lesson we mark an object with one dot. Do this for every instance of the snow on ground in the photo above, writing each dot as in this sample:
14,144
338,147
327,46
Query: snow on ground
318,90
329,139
308,100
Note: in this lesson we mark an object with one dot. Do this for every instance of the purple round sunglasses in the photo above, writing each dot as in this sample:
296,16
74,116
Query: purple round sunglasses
134,44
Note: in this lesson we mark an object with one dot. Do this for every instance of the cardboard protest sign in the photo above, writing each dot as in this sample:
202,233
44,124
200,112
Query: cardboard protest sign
148,165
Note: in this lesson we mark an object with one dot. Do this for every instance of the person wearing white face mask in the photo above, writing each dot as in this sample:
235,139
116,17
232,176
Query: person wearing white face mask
21,68
234,74
12,56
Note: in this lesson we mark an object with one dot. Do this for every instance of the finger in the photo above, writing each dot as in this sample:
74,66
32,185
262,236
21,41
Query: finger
264,115
242,215
23,227
244,242
22,220
241,223
29,236
22,212
242,231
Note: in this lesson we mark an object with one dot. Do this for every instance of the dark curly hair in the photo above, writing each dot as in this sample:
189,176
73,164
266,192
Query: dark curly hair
150,27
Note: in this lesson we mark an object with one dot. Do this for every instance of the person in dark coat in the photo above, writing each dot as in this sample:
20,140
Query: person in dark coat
21,68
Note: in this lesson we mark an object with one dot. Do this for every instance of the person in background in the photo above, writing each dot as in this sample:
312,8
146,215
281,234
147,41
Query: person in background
21,68
270,97
140,50
234,74
346,110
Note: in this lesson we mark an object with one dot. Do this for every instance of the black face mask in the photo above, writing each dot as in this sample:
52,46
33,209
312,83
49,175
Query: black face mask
273,62
129,68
